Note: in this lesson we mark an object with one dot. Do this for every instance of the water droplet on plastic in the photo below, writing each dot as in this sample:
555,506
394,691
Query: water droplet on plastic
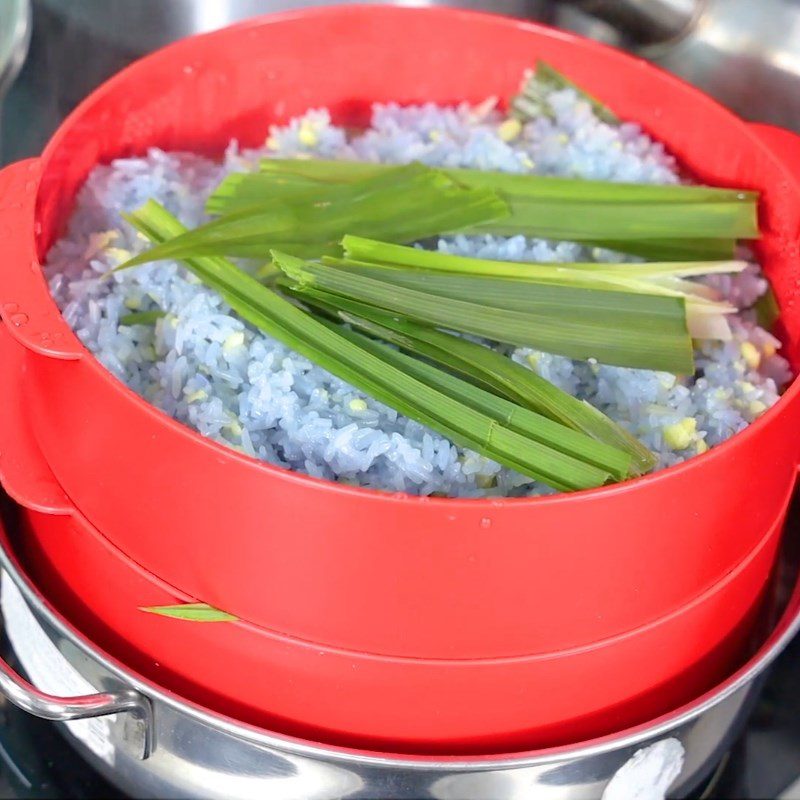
19,319
486,523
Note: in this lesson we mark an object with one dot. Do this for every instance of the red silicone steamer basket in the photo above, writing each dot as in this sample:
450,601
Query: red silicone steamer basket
410,705
353,697
359,569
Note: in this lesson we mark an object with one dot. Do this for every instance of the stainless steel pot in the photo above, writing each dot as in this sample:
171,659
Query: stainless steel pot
745,53
77,44
150,742
14,35
144,25
15,28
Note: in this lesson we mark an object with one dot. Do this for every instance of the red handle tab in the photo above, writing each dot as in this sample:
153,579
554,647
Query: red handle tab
24,473
28,311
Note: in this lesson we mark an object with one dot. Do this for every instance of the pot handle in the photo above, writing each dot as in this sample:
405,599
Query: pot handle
65,709
27,309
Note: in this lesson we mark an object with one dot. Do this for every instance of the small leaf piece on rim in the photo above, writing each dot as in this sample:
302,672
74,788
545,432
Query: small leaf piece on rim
192,612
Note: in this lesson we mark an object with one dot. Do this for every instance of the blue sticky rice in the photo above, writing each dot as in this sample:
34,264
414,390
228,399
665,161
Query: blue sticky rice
203,366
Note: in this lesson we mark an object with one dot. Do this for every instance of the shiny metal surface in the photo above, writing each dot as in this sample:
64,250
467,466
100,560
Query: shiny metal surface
200,754
643,21
144,25
78,44
15,31
744,53
63,709
15,22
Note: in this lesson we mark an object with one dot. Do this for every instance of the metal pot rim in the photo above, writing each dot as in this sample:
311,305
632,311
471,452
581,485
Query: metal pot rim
126,26
787,627
14,40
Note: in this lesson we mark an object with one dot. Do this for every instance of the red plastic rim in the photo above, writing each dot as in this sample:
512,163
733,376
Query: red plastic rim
437,16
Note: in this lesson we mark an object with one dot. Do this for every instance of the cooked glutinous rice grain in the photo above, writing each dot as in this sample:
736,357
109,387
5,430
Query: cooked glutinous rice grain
203,366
